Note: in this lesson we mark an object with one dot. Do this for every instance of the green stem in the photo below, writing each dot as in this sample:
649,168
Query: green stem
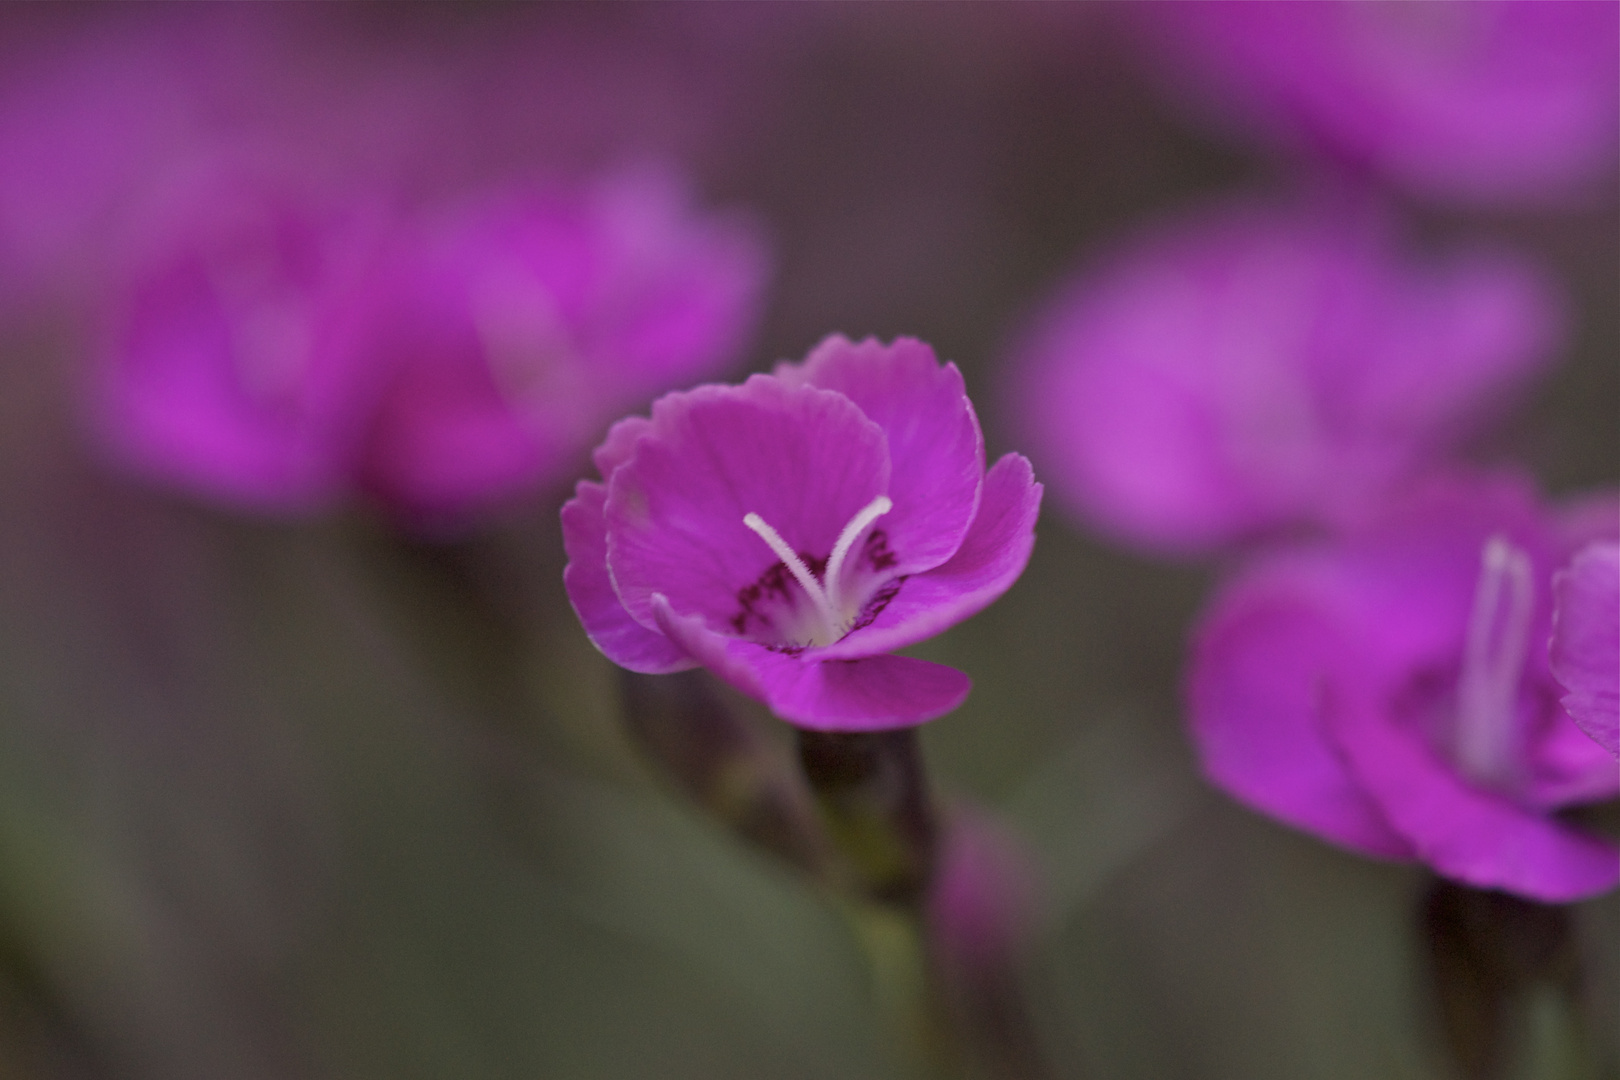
873,797
1507,983
874,802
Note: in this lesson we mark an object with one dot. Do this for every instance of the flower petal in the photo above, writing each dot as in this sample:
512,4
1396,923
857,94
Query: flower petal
936,449
1585,651
590,590
1260,662
994,553
620,444
1566,765
873,694
803,459
1465,833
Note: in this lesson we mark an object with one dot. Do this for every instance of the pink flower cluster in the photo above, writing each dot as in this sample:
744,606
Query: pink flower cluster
1408,651
1413,657
305,268
281,347
1390,688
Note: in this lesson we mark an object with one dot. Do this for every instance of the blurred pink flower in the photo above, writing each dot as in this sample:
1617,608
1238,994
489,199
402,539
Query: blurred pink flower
518,327
99,102
228,366
791,532
1586,641
1490,100
1245,369
279,344
1390,691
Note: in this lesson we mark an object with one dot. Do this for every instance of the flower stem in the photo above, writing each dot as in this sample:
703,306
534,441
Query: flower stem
1507,984
875,804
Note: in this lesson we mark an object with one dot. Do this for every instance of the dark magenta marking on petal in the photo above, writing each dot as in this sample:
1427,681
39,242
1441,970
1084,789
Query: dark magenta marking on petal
777,581
880,600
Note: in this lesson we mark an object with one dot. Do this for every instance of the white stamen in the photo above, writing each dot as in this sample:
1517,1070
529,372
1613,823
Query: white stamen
796,566
825,594
846,543
1493,663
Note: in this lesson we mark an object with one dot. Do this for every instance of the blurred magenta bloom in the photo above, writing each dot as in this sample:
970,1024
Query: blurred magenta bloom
229,364
99,102
1390,691
1492,100
790,532
281,346
1586,641
983,902
1245,369
522,325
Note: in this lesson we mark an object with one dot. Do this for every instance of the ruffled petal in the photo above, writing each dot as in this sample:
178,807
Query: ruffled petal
1260,664
805,460
995,552
620,444
1464,833
936,449
608,625
874,694
1585,651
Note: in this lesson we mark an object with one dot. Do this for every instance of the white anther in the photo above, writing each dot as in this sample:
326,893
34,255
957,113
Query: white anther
826,594
846,543
1493,664
795,566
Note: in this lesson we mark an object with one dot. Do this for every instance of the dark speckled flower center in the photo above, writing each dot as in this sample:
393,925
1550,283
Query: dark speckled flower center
833,609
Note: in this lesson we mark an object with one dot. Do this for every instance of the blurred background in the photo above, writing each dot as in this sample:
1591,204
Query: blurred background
328,794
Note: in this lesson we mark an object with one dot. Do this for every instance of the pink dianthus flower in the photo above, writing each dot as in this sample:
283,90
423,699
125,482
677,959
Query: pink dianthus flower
791,532
1389,690
1247,369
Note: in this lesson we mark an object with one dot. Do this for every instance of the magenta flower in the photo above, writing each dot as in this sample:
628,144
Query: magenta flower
1511,100
1585,649
228,366
522,326
789,533
1390,692
1246,369
280,347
